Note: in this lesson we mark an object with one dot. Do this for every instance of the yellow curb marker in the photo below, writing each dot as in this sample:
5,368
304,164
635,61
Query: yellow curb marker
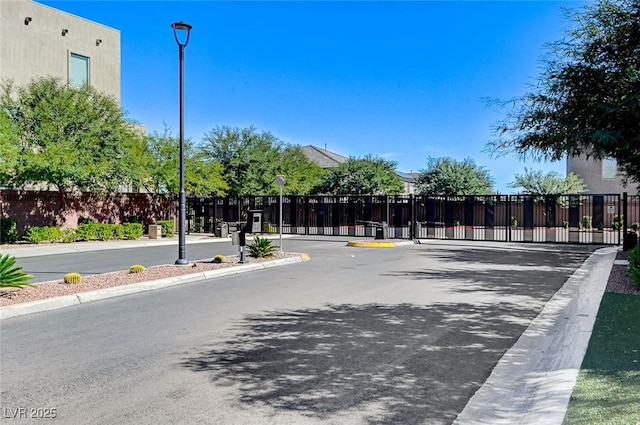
360,244
305,257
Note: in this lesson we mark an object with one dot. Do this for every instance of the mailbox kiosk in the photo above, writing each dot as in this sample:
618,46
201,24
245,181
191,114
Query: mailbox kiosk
254,222
253,225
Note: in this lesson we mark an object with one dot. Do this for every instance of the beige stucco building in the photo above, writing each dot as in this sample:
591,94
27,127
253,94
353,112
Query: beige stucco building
40,41
600,177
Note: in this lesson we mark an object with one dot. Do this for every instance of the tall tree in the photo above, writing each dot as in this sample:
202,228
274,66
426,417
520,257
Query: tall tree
446,176
302,174
9,148
536,182
368,175
587,97
251,160
71,138
203,176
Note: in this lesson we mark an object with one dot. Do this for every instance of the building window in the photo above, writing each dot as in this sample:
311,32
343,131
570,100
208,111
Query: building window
609,168
78,70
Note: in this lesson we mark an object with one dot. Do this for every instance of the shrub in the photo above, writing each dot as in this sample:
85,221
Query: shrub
12,276
167,228
73,278
565,224
635,226
69,235
132,230
586,222
118,231
262,247
269,228
514,222
87,232
634,266
218,258
104,232
136,268
8,230
86,220
39,234
617,222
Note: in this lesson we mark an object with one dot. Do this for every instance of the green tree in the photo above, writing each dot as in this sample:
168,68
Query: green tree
70,138
536,182
203,176
302,174
251,160
586,99
9,148
362,176
446,176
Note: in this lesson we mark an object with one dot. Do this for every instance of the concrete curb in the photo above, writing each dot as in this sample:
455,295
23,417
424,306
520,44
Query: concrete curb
533,381
117,291
374,244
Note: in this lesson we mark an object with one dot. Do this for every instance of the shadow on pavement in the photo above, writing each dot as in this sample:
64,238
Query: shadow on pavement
503,271
398,364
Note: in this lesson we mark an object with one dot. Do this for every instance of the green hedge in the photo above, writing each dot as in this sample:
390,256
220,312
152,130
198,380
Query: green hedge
132,230
167,228
39,234
84,232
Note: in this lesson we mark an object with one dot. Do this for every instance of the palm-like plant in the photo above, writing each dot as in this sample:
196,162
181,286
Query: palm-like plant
262,247
12,276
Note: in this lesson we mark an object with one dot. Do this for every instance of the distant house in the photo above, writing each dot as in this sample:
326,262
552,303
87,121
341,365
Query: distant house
327,159
600,177
408,181
323,157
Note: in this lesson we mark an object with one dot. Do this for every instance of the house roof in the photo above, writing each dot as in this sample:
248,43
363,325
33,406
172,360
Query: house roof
328,159
407,177
323,157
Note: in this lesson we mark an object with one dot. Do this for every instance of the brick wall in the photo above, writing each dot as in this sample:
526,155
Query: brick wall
43,208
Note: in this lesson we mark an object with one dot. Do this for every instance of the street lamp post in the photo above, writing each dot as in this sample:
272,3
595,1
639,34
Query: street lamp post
182,251
280,181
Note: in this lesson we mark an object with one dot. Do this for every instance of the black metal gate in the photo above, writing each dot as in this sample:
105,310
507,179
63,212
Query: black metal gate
578,219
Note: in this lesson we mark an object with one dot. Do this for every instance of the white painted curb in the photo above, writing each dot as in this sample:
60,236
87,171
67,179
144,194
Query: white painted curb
533,381
117,291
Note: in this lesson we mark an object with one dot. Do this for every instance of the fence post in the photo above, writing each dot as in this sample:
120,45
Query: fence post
508,224
412,217
386,201
624,217
306,215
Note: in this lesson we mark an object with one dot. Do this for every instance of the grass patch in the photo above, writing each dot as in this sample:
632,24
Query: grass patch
608,387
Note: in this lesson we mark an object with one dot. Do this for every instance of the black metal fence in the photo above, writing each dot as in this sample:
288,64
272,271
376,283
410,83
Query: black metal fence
584,219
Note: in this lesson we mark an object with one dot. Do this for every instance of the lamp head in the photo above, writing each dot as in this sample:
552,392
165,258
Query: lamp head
179,27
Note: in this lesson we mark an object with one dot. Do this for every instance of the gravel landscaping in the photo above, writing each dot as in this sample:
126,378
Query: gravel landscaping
56,288
619,280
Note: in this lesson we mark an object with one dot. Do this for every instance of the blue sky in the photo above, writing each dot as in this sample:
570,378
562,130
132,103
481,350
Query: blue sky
400,80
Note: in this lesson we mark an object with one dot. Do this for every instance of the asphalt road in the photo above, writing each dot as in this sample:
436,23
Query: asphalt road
54,266
356,336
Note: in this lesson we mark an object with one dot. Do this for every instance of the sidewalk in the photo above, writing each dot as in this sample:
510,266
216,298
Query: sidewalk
29,250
